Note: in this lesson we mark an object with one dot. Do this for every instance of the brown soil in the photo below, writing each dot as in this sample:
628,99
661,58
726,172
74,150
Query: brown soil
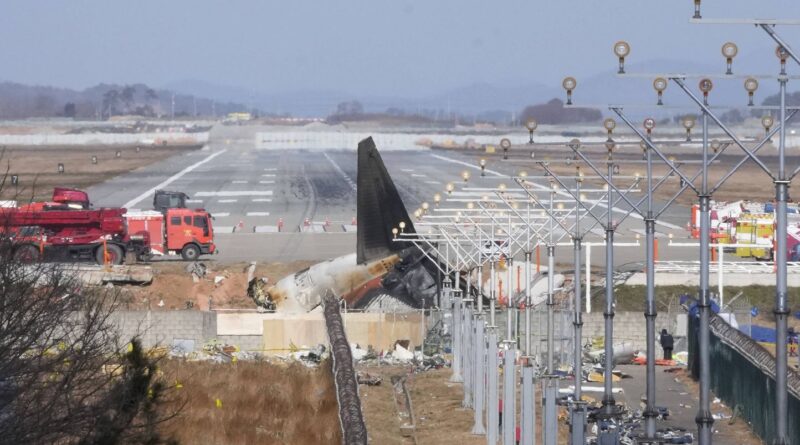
174,286
251,403
732,430
37,167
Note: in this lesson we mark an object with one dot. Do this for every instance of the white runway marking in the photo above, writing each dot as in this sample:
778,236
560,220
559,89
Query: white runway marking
227,200
194,201
237,193
261,200
169,180
268,175
239,182
407,170
432,182
220,214
272,169
266,182
257,213
341,172
417,175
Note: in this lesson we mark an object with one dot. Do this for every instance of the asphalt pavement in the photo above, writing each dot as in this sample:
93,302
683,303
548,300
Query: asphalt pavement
276,205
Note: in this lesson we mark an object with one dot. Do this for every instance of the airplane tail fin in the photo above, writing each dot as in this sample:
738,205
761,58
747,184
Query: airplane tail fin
379,207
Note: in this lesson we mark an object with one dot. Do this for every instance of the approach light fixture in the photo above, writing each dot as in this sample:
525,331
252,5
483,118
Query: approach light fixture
729,50
575,143
622,49
465,175
649,124
60,168
94,160
609,124
394,231
751,85
523,174
569,84
437,198
715,145
688,122
660,84
470,205
118,154
782,54
643,146
483,167
706,85
531,125
505,144
425,207
697,10
767,122
450,187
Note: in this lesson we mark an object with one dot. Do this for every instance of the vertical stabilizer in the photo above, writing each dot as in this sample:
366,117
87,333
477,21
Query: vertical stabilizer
379,207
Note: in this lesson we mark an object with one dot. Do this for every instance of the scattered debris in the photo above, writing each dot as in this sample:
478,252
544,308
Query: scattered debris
257,291
197,270
365,378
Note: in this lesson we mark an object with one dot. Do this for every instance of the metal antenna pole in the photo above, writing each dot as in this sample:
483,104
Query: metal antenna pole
577,420
510,354
528,304
704,419
781,306
650,306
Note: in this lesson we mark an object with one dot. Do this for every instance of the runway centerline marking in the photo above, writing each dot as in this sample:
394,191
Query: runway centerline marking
268,175
227,200
239,182
172,178
266,182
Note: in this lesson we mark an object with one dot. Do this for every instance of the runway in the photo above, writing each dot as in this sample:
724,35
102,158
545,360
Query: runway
280,205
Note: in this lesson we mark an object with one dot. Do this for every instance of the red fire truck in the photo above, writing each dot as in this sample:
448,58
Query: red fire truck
68,229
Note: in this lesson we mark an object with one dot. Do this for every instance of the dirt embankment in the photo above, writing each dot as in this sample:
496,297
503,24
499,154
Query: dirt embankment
224,286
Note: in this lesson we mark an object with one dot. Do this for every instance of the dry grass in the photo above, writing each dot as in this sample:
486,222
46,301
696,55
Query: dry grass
37,167
261,403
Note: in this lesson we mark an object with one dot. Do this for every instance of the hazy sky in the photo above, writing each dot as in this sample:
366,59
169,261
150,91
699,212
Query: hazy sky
399,47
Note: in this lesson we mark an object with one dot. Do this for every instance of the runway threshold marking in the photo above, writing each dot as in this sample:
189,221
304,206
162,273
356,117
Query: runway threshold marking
544,188
172,178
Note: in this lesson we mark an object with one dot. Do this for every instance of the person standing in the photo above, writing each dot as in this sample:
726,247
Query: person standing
667,343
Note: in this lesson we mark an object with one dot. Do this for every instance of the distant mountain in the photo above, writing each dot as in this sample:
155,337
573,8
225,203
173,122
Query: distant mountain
483,99
19,101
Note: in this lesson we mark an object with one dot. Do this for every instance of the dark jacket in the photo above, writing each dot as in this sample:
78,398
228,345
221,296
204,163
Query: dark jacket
667,342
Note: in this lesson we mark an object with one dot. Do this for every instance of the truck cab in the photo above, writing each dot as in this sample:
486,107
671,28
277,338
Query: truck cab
189,231
165,200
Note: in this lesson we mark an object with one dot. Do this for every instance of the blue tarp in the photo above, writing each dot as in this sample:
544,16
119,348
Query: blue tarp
760,333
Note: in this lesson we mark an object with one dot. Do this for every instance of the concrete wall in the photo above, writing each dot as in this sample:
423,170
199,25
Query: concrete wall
166,328
253,331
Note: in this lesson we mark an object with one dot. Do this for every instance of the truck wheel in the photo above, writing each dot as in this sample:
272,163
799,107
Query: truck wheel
26,254
190,252
115,255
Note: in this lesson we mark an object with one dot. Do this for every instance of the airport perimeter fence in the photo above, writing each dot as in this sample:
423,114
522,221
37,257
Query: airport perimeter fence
743,377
